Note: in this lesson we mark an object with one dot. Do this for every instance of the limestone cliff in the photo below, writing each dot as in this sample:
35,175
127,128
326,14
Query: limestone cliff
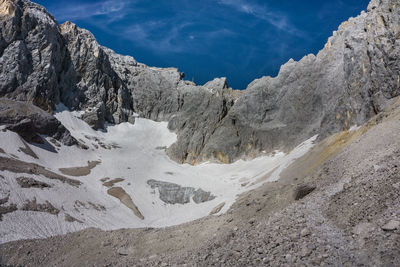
353,77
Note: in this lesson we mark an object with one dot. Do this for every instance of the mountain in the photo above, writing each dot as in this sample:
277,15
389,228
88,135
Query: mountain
354,77
91,138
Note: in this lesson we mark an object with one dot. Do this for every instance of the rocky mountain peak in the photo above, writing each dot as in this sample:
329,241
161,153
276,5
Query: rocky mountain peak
218,84
321,193
352,78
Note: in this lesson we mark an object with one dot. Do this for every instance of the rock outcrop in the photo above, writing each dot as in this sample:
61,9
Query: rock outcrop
89,81
30,122
31,54
194,112
354,77
171,193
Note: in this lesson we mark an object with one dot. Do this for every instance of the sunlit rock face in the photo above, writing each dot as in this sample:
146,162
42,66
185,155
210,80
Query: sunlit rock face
352,78
355,76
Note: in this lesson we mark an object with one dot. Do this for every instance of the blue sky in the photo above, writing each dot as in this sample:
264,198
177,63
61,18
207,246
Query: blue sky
238,39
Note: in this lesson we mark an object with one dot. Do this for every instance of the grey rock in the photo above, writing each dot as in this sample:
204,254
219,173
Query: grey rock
173,193
125,251
44,63
106,243
26,182
4,200
303,190
201,112
69,218
305,252
305,232
7,209
31,54
363,228
30,121
32,205
355,76
89,81
391,225
218,209
95,116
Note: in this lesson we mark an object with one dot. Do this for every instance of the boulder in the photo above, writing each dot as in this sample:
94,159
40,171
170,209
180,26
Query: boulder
30,122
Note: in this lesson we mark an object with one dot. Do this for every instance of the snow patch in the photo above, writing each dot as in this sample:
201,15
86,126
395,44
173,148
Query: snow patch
135,157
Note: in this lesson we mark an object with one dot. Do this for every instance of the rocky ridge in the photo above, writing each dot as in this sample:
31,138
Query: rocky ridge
355,76
337,205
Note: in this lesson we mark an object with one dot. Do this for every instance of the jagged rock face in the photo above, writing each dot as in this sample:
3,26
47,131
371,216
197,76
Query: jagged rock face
44,64
194,112
154,90
201,112
31,53
352,78
89,81
372,54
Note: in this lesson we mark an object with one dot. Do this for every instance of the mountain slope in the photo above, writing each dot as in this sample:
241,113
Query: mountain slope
349,219
118,178
90,138
352,78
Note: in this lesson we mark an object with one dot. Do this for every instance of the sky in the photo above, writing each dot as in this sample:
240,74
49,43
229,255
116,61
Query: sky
238,39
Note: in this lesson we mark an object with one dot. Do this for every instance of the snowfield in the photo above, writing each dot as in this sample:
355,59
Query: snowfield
134,153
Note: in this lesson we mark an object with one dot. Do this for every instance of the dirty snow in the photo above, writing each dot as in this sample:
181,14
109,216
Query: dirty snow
131,152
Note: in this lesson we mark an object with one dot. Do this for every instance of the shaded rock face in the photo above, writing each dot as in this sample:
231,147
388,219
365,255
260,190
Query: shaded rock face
354,77
45,64
89,81
171,193
193,112
31,53
351,79
30,121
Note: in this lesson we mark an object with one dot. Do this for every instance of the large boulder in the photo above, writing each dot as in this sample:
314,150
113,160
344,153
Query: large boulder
30,122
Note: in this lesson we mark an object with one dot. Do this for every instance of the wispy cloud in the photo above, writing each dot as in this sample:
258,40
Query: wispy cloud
112,9
143,34
179,28
175,39
275,18
170,34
